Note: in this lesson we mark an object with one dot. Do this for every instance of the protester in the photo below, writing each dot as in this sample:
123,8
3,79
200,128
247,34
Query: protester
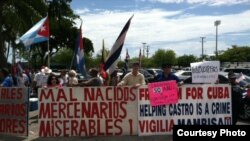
22,80
41,78
114,78
53,81
63,78
94,81
6,79
166,75
236,96
72,79
133,78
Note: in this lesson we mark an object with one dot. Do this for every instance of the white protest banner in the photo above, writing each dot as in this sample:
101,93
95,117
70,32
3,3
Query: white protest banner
198,105
14,111
205,72
88,111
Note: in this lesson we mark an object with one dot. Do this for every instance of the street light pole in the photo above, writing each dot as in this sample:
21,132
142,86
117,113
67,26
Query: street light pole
143,49
216,24
202,49
147,50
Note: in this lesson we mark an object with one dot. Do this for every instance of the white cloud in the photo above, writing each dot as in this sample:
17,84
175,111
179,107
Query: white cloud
82,11
162,29
207,2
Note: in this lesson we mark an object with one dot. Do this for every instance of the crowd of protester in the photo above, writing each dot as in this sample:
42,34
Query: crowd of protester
45,78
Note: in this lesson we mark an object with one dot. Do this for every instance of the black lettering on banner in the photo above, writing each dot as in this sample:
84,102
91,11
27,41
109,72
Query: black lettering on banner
211,132
158,90
204,69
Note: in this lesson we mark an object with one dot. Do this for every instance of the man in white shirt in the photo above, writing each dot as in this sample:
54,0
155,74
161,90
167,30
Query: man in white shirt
134,78
41,78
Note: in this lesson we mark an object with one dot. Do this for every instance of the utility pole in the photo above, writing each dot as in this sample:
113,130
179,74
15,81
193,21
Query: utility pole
202,49
147,50
216,24
143,49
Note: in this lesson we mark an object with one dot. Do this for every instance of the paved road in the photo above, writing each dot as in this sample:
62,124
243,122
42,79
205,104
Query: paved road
33,134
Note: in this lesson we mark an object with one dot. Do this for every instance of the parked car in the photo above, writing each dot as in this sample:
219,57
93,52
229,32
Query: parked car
245,71
182,74
154,71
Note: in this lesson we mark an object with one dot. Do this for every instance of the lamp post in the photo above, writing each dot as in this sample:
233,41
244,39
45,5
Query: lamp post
216,24
143,49
147,50
202,49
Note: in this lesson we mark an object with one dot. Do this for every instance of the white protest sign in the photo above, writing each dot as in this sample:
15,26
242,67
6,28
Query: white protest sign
205,72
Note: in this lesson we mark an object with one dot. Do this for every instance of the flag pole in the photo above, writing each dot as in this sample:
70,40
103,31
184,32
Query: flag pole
48,56
48,45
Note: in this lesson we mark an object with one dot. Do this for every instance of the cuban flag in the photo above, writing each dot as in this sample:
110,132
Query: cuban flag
79,52
111,62
38,33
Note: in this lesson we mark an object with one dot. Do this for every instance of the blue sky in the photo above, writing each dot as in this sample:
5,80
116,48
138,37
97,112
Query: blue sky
165,24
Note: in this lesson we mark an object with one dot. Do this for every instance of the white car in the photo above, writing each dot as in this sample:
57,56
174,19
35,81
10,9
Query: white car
182,74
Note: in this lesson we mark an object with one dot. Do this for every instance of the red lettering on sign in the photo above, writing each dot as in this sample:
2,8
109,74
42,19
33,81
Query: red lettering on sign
131,126
99,131
46,95
44,130
17,110
180,93
99,95
117,125
62,108
44,110
77,109
74,128
109,126
66,128
12,93
217,92
71,95
54,110
57,126
109,94
194,93
143,94
13,126
92,125
61,95
85,127
89,94
133,93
